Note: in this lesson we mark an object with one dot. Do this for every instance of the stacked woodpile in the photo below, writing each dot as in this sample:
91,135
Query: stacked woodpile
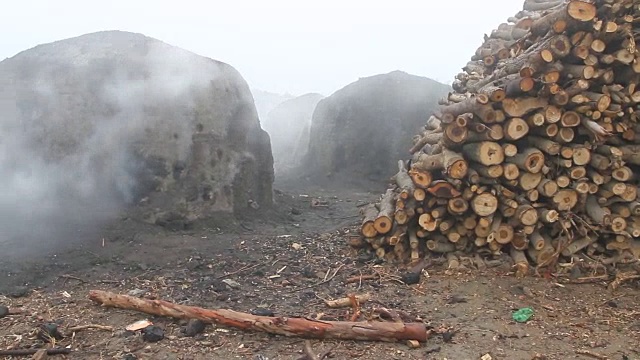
535,154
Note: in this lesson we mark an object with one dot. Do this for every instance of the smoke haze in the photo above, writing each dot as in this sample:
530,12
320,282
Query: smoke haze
82,118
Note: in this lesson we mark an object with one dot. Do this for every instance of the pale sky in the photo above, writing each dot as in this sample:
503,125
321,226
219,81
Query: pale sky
293,46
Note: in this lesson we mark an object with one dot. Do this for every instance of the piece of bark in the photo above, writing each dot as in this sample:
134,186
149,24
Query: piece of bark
346,301
286,326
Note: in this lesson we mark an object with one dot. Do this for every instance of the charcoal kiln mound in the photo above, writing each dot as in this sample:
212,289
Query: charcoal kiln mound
113,118
289,126
365,127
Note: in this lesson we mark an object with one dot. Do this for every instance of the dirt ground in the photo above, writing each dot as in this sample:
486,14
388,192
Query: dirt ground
276,262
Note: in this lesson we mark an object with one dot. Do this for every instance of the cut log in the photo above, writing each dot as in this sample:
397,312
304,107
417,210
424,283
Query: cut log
511,171
548,146
475,105
420,178
286,326
457,206
384,220
485,152
404,181
531,160
527,215
454,134
484,204
442,246
521,263
577,245
522,106
493,171
443,189
548,216
452,163
529,181
515,128
565,199
370,213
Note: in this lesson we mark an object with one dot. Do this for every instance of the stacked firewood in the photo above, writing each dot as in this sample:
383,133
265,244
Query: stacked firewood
536,152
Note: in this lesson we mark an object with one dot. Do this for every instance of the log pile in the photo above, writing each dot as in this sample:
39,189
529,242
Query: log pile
535,154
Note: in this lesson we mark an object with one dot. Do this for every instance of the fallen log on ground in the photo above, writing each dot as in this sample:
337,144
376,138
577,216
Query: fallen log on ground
278,325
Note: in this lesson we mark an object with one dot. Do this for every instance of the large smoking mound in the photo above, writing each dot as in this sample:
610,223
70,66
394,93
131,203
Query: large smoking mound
94,124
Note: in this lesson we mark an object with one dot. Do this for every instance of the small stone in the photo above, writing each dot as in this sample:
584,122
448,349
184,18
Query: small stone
129,357
194,327
152,333
262,312
411,278
49,331
296,211
194,265
296,246
457,299
4,311
19,292
232,283
136,292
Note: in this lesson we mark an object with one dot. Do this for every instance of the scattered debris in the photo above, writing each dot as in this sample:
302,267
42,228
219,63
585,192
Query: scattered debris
89,326
136,292
232,283
49,333
28,352
413,344
522,315
262,312
347,301
592,354
40,355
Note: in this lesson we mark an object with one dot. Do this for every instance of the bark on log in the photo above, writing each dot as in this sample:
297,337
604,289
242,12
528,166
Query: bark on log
485,152
370,213
286,326
522,106
531,160
452,163
575,11
404,181
384,220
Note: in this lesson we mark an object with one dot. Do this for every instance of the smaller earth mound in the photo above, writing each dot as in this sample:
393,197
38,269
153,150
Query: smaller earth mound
367,126
289,125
